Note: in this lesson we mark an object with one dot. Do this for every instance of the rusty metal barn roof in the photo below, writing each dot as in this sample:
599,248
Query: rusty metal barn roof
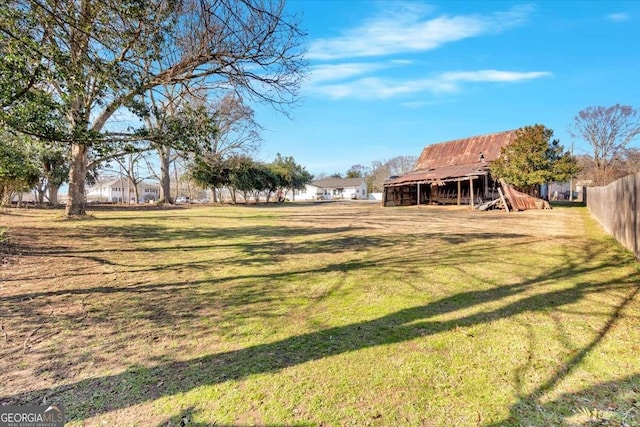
456,159
520,201
464,151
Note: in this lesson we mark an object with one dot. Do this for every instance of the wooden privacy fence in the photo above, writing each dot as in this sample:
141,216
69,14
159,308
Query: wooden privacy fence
617,209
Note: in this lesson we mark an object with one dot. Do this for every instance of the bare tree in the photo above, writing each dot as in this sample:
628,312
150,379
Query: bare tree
236,130
632,160
402,164
165,129
378,173
356,171
381,170
608,130
129,165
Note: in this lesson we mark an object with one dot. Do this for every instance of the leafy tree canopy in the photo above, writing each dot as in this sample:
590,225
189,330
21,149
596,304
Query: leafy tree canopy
533,158
356,171
18,171
244,174
294,176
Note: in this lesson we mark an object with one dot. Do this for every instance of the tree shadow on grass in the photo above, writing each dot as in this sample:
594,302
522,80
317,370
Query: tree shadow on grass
151,298
260,245
186,419
95,396
594,401
249,289
611,403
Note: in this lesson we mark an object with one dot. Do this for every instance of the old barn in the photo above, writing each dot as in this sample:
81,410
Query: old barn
453,172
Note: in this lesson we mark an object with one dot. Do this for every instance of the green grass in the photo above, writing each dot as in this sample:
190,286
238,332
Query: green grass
322,314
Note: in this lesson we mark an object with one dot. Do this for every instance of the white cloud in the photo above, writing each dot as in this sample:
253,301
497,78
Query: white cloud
335,72
491,76
402,61
618,17
449,82
407,30
414,104
328,72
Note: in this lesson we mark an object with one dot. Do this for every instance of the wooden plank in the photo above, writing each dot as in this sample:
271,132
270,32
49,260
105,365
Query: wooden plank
486,187
504,201
471,192
459,192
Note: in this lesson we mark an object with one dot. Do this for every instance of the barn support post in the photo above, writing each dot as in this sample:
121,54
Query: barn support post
459,192
471,192
486,187
418,194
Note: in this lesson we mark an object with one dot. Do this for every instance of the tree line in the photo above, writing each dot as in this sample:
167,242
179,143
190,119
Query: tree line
251,178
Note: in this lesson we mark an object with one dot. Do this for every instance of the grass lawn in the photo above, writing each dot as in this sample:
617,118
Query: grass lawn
320,314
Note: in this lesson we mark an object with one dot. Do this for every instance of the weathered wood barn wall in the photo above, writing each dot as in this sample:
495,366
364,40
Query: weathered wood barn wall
453,172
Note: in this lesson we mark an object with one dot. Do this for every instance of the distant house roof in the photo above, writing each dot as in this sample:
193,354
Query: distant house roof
110,182
337,182
455,159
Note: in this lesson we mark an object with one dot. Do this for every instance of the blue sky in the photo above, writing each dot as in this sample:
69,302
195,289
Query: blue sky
387,78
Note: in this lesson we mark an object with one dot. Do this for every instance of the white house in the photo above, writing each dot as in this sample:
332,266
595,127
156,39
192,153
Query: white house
334,188
116,190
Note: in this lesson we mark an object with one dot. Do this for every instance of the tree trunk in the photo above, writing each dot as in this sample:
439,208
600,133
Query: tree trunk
40,195
175,173
53,194
165,175
5,196
136,193
76,204
215,195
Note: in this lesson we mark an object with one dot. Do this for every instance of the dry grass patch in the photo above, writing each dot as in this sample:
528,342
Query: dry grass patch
320,314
